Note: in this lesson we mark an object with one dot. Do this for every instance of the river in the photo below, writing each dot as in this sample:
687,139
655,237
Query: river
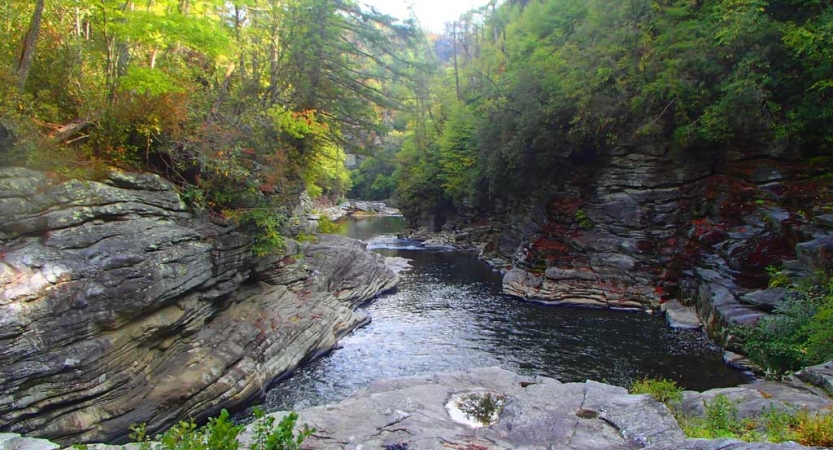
448,314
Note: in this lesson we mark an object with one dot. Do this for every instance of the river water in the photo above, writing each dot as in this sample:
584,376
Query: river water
448,314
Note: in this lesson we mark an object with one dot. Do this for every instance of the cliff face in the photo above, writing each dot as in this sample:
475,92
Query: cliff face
641,224
120,307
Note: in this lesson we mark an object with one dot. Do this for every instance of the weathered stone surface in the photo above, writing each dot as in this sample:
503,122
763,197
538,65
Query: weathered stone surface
679,316
10,441
820,375
766,299
540,413
719,308
343,266
120,307
753,399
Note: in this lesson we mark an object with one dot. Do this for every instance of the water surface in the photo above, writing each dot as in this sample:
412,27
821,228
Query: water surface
448,314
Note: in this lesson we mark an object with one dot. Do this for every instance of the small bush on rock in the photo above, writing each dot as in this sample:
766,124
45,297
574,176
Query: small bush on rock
662,390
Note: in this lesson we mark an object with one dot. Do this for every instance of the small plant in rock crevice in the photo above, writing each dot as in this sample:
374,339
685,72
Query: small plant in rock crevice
777,277
583,220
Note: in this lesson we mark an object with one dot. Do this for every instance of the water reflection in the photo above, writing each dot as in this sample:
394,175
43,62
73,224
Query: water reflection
449,314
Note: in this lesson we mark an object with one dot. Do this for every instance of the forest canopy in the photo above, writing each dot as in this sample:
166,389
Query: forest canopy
524,84
241,104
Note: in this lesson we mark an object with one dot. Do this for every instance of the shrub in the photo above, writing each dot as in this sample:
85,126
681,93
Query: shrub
800,333
220,433
721,421
283,437
662,390
327,226
773,425
814,430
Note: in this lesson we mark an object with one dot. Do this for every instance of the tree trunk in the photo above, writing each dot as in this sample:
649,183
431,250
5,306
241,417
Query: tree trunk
27,51
456,70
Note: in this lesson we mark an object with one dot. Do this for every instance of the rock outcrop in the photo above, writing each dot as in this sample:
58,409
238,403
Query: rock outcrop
539,413
637,225
121,307
422,413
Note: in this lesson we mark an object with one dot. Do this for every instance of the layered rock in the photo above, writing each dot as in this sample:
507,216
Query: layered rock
637,225
121,307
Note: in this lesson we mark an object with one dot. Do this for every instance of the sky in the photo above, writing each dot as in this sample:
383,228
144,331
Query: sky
432,14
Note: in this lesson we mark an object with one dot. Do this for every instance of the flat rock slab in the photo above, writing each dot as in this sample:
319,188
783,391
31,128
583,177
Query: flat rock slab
681,317
540,413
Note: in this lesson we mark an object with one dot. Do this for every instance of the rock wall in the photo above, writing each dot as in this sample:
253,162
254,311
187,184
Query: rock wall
120,307
641,224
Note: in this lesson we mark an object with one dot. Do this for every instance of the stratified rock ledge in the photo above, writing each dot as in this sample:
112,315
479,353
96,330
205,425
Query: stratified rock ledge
119,306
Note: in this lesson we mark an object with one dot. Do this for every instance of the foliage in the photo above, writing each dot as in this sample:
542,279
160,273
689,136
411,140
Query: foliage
374,178
523,89
800,333
582,219
777,277
267,436
661,390
721,418
268,223
721,421
242,104
772,425
327,226
220,433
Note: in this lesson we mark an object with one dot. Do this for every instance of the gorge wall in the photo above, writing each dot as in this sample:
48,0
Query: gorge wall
641,224
120,307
